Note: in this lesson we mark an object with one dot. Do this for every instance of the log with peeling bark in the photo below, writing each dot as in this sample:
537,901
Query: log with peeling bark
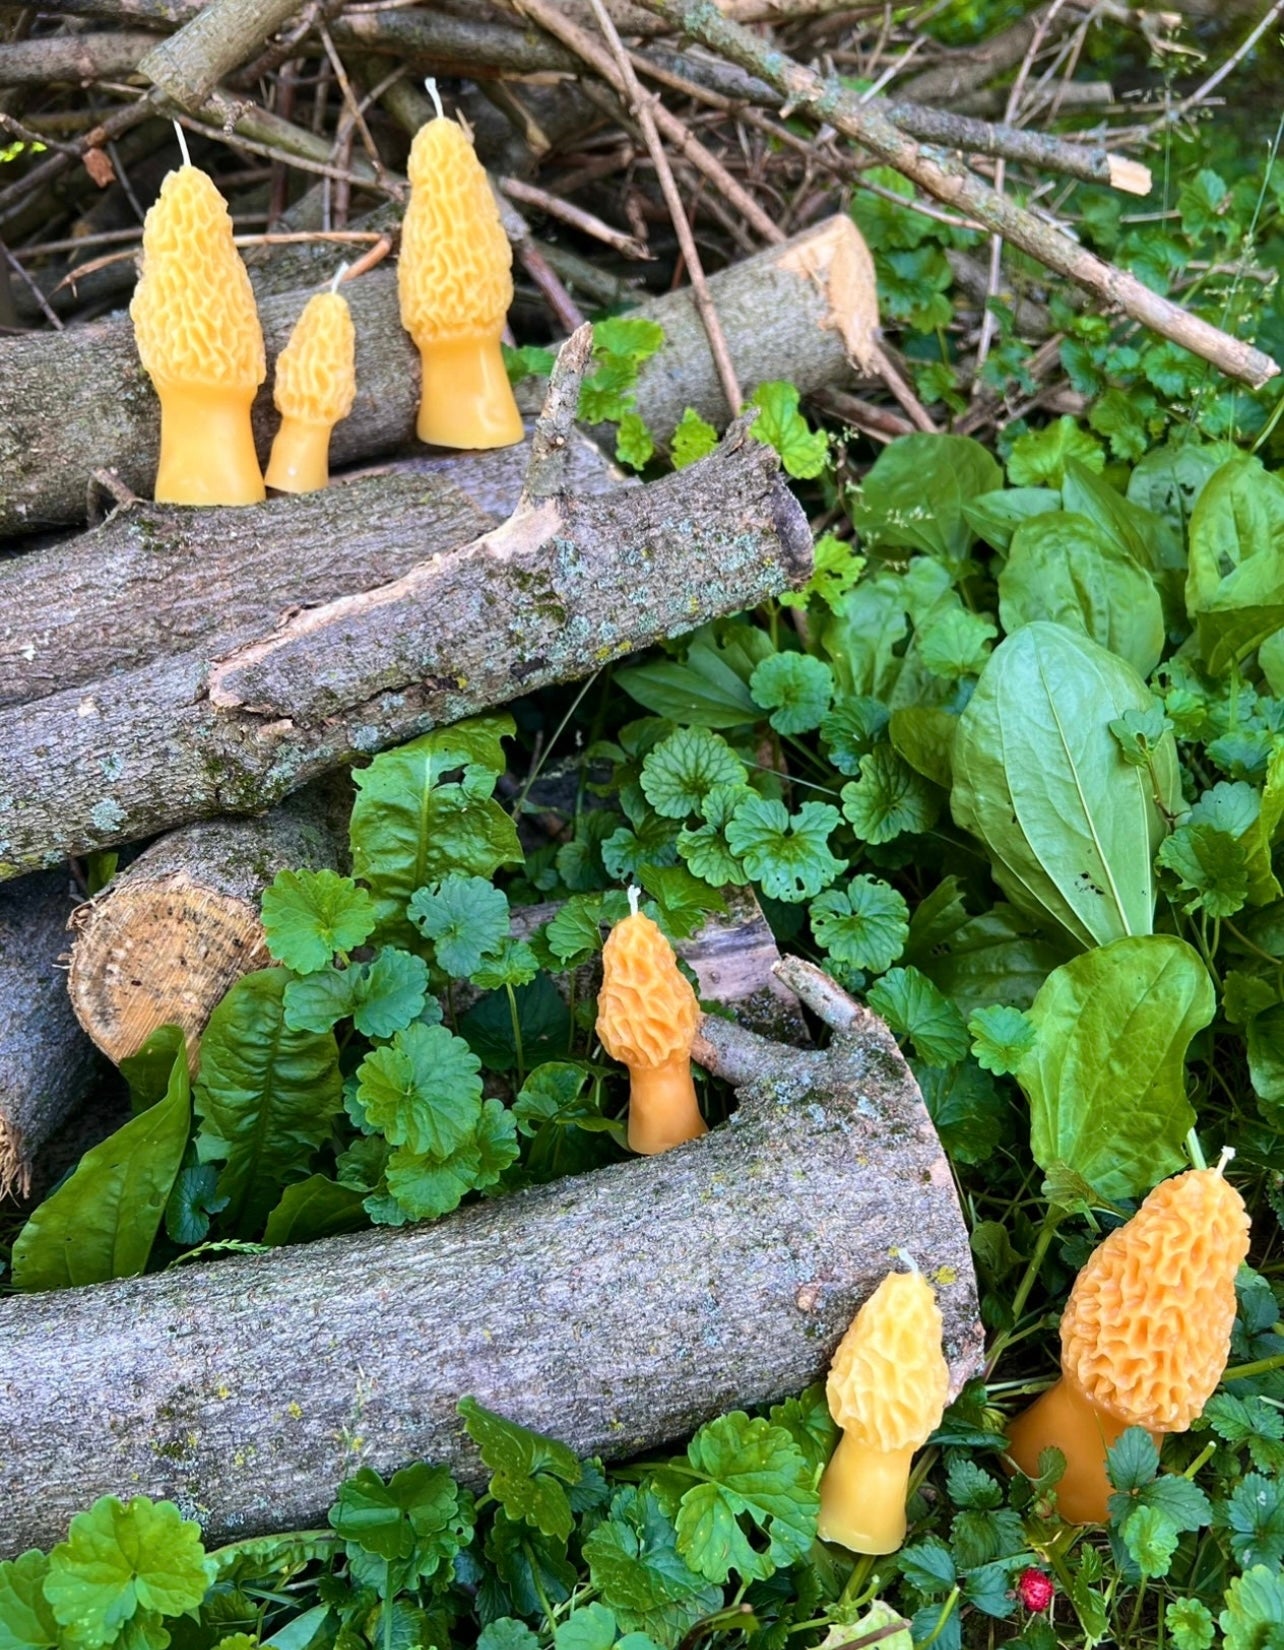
46,1062
180,925
616,1310
78,402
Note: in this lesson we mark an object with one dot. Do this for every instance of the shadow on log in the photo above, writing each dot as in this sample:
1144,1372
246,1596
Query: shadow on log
616,1310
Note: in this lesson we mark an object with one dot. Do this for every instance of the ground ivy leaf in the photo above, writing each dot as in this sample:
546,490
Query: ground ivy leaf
634,1563
120,1558
836,569
751,1469
1189,1624
1039,458
788,855
506,1633
692,439
513,963
889,799
26,1620
1254,1615
415,1516
680,771
1151,1539
1210,866
464,916
391,992
851,730
309,915
1001,1038
795,688
633,443
319,1000
705,848
422,1090
631,336
591,1627
528,1471
808,1422
803,452
914,1008
194,1199
956,643
865,925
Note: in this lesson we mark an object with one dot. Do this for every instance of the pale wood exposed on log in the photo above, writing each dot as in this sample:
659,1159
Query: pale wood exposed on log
223,34
617,1310
46,1062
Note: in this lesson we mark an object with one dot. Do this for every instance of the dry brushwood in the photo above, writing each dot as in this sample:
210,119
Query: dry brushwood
616,1310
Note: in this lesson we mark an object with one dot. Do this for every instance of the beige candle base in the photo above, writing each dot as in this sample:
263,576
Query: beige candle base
663,1112
862,1497
1066,1418
207,451
300,459
467,399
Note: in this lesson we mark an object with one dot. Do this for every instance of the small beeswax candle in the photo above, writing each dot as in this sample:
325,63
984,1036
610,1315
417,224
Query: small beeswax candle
315,387
199,340
647,1016
887,1389
455,286
1144,1337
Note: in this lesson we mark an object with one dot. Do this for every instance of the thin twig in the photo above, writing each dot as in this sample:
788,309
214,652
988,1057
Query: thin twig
555,207
36,293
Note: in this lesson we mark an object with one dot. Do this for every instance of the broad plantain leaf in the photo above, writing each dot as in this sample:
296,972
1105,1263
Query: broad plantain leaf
1235,579
315,1208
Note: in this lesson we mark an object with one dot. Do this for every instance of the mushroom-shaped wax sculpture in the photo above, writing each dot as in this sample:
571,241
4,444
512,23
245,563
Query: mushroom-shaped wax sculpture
647,1016
887,1389
1144,1337
315,387
455,286
200,342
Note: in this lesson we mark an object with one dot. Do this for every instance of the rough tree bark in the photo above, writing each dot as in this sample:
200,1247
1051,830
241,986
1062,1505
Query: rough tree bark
616,1310
189,65
46,1061
79,402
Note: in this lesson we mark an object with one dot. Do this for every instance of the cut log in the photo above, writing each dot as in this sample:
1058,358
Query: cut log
46,1062
617,1310
180,925
564,586
77,402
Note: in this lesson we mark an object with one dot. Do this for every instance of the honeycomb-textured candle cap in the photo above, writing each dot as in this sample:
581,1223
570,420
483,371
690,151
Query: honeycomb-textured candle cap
315,372
646,1010
193,309
889,1379
454,275
1146,1331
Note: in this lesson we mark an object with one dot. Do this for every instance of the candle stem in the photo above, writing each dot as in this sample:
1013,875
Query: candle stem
300,461
207,451
467,399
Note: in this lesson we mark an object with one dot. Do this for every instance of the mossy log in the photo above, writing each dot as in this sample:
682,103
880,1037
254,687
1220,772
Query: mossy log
46,1062
565,585
79,402
616,1310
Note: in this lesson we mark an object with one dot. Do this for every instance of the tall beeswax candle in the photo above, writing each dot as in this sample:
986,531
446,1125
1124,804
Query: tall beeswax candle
199,340
315,387
455,283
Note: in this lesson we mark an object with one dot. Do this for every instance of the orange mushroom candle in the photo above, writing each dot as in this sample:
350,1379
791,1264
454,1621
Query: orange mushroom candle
1144,1337
887,1389
647,1016
200,343
315,387
455,284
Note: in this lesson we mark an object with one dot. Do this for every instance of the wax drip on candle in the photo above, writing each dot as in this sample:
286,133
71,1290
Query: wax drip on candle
315,387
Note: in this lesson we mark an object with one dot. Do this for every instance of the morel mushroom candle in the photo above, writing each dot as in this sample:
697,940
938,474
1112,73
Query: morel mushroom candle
455,283
315,387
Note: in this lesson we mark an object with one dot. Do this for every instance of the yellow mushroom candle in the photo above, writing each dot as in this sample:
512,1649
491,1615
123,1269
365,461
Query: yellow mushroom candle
200,343
887,1389
1144,1337
647,1016
455,283
315,386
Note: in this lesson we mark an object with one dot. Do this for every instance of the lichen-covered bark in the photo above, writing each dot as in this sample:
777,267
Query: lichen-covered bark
616,1310
551,595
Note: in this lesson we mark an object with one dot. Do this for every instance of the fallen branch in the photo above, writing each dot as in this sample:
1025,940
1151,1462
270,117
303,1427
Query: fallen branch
616,1310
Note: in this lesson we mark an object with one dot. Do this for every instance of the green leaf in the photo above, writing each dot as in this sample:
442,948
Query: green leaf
795,688
865,926
465,917
528,1471
541,1015
380,997
1106,1075
851,730
513,963
889,799
1254,1516
507,1633
591,1627
705,849
1001,1038
914,1008
918,492
803,452
1235,577
1210,867
425,1186
314,1208
120,1558
635,1565
1071,829
101,1222
415,1519
955,643
148,1071
1249,1421
1151,1539
787,854
309,915
808,1422
1253,1618
1189,1624
410,828
527,361
692,439
1169,479
26,1621
966,1108
633,443
266,1096
836,567
704,691
422,1090
1039,458
928,1566
750,1470
679,772
632,336
193,1200
996,516
1139,733
1062,568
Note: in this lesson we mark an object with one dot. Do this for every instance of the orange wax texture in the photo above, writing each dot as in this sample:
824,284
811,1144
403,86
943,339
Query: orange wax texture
316,384
1144,1337
455,283
200,343
887,1389
647,1016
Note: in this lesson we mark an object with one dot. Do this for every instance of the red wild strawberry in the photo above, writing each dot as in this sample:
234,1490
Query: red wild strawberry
1035,1590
